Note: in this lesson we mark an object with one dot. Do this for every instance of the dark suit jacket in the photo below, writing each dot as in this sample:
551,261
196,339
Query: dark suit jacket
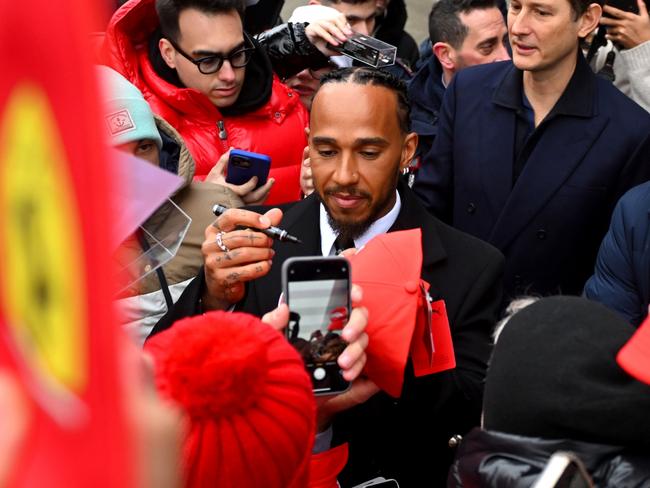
549,223
463,271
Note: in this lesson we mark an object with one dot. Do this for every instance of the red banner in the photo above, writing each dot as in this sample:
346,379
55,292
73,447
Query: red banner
57,331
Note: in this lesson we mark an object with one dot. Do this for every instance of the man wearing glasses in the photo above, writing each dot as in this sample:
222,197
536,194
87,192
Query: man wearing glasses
199,70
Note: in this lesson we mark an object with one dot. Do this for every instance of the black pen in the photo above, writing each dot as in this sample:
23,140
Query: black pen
273,232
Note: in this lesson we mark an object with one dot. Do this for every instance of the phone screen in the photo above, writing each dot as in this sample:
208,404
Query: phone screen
318,295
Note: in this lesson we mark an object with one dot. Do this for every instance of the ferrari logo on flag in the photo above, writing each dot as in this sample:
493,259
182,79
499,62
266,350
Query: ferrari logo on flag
43,294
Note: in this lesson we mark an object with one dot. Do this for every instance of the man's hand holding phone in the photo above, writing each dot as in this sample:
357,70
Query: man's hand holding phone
234,256
627,29
246,191
351,361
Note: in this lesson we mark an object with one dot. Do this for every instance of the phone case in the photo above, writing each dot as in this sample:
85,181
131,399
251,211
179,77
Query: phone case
243,165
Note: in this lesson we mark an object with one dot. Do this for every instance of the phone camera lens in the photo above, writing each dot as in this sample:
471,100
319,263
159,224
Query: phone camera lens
241,162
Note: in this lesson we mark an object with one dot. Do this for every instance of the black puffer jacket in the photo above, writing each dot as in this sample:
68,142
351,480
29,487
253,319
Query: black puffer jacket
494,459
289,49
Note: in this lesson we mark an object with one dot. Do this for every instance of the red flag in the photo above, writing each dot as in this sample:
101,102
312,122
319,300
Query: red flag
57,331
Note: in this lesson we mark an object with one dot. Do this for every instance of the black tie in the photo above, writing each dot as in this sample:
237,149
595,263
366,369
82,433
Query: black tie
341,244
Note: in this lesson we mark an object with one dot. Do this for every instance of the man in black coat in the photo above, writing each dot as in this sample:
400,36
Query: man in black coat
359,142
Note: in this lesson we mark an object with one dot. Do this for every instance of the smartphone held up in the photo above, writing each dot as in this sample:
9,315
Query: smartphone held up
317,291
243,165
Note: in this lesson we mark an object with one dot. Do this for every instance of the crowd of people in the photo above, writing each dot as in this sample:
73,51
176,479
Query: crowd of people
521,155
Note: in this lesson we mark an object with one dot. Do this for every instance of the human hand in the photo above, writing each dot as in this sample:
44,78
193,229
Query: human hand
245,255
278,318
627,29
306,179
245,191
334,31
15,423
156,424
351,361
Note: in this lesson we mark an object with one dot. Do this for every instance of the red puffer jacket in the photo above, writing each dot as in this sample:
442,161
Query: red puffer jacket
276,129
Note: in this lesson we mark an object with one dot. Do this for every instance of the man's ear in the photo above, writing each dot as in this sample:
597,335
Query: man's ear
167,52
445,54
589,20
408,150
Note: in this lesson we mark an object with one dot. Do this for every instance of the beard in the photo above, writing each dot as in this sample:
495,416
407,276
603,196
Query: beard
351,230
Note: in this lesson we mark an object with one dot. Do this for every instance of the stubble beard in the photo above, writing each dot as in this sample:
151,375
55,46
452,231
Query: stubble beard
349,231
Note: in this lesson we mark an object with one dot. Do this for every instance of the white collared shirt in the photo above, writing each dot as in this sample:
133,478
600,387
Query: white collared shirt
379,226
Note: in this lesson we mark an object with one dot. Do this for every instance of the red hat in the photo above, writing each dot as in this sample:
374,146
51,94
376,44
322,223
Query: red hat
634,356
388,269
248,398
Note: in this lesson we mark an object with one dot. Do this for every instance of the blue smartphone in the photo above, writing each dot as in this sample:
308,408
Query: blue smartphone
243,165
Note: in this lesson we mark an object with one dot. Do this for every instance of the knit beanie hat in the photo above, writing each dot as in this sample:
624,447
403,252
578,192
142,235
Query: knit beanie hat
127,115
248,398
553,374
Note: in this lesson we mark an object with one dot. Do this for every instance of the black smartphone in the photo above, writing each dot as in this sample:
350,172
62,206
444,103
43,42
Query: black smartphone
243,165
317,290
564,470
625,5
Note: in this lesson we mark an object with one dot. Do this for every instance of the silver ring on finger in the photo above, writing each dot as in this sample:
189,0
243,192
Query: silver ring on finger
219,241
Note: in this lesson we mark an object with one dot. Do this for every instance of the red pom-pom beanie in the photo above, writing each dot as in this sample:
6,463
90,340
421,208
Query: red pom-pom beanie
248,398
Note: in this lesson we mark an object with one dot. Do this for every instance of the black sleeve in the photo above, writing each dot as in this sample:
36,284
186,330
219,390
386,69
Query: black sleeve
289,49
474,323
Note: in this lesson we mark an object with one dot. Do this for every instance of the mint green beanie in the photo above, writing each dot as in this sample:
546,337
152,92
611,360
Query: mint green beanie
127,115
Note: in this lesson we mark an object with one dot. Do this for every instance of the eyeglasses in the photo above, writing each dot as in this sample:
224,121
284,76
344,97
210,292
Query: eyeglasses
213,63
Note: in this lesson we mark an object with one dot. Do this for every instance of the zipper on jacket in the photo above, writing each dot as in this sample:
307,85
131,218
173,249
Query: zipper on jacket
223,134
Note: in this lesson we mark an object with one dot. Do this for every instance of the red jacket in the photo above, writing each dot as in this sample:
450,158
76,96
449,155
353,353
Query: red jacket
276,129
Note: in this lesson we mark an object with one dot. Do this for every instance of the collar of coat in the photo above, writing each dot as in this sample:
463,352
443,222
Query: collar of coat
578,98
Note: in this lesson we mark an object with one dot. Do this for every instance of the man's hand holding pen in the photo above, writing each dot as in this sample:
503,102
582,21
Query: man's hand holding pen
233,256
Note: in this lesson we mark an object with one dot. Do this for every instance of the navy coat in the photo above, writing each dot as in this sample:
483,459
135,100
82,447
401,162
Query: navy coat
426,92
621,280
591,149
